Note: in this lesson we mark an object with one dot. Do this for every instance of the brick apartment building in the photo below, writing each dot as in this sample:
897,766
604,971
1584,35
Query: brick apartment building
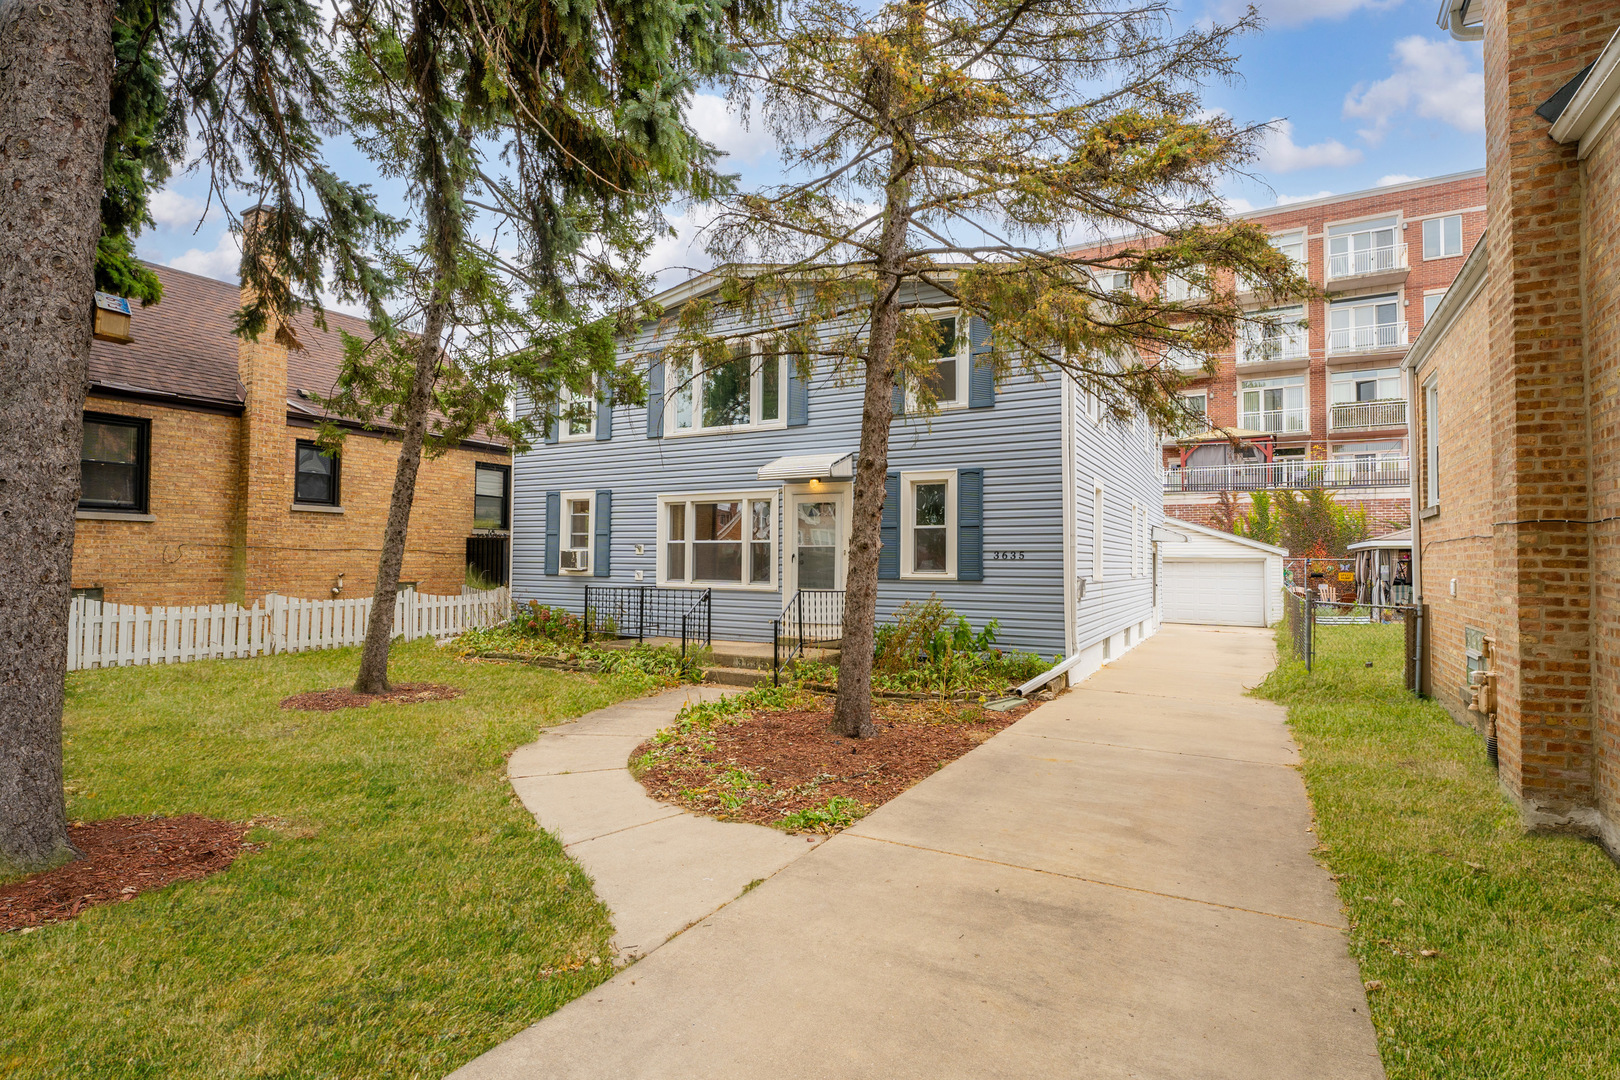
1517,382
201,483
1324,384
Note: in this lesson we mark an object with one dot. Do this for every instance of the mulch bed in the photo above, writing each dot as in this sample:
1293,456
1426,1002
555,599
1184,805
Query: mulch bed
344,698
123,857
795,762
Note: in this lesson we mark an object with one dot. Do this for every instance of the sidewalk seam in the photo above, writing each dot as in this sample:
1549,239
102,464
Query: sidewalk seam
1098,881
1156,750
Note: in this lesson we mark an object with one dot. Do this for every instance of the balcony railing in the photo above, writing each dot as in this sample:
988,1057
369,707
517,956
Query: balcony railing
1275,421
1263,476
1365,415
1374,260
1255,348
1354,339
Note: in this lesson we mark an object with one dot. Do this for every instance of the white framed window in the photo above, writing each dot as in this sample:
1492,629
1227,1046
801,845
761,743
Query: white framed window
928,524
1365,324
1442,237
1371,384
1364,247
1282,335
723,540
1274,405
1097,528
1291,244
577,531
1178,289
949,379
1197,401
746,392
1431,300
576,414
1431,443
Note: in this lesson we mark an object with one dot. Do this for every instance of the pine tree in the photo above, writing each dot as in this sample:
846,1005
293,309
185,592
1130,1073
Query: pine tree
948,154
537,142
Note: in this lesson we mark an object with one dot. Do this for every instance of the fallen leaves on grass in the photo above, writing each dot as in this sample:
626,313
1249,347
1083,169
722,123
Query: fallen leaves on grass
123,857
786,767
344,698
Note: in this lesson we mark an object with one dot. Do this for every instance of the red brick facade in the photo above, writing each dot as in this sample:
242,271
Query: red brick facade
1528,475
221,522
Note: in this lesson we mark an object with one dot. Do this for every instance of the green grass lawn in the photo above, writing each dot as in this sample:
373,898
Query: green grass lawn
1431,856
405,916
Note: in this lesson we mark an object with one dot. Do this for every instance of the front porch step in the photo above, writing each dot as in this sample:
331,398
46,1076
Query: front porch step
760,659
737,676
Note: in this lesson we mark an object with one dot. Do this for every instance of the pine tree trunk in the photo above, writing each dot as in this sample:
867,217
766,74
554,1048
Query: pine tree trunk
852,709
55,77
373,677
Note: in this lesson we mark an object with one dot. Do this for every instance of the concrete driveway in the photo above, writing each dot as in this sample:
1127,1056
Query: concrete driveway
1118,885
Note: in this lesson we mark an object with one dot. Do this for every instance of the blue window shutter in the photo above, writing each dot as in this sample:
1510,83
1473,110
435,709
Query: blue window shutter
602,560
889,530
553,424
604,420
553,530
899,397
655,398
798,395
970,525
981,376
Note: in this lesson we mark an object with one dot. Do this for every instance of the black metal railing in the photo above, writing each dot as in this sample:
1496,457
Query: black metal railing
812,617
644,611
487,555
1289,475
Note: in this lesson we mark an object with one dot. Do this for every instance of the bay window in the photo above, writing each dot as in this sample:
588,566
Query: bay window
718,540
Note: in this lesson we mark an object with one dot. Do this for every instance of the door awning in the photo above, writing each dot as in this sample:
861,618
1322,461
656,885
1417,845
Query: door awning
831,466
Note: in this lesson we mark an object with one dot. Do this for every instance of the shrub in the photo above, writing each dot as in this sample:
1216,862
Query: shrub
551,623
928,648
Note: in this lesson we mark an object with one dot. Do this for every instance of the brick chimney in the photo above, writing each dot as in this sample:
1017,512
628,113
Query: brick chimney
266,482
1536,378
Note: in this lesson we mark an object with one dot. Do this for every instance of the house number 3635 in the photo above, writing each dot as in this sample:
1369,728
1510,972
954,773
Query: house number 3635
1006,554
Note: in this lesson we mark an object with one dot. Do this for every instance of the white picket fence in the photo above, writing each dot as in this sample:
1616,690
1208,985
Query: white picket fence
108,635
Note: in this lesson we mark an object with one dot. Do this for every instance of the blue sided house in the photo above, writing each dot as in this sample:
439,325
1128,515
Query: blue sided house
725,501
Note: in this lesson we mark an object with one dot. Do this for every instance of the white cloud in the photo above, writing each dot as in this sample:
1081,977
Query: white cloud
223,262
1279,152
172,210
1396,178
673,259
1296,12
718,122
1284,200
1431,78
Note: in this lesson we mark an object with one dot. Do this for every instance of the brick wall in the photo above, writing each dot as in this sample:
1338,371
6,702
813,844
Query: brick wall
185,555
1601,231
1384,514
1455,541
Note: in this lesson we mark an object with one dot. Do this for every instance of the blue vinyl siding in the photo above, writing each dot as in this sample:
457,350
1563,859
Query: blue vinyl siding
1017,443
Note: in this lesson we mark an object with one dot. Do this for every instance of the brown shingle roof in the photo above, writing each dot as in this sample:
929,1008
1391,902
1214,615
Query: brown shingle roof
184,349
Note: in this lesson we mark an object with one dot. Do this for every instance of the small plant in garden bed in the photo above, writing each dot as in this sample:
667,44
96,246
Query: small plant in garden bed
769,756
649,666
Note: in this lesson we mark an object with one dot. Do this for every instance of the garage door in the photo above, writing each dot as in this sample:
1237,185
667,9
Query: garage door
1223,591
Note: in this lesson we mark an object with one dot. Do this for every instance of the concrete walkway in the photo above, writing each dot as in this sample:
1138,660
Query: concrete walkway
656,867
1118,885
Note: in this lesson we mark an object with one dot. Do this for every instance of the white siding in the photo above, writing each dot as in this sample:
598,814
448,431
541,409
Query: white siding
1202,547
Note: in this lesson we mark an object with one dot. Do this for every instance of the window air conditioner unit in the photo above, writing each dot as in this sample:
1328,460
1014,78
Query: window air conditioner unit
576,559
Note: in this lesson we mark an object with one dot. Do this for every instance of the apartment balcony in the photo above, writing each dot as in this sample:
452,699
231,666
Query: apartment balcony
1367,340
1367,415
1277,421
1273,350
1382,264
1390,472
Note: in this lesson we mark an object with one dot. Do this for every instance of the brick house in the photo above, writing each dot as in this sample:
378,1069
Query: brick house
1517,387
1330,390
201,483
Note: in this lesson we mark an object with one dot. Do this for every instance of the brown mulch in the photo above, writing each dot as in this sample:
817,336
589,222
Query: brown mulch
795,761
342,697
123,857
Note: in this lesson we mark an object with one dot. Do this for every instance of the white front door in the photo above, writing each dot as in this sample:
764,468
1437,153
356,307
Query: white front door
817,535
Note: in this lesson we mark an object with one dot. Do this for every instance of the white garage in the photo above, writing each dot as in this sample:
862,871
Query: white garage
1213,577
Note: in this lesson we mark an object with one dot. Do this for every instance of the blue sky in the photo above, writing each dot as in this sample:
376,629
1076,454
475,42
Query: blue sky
1367,92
